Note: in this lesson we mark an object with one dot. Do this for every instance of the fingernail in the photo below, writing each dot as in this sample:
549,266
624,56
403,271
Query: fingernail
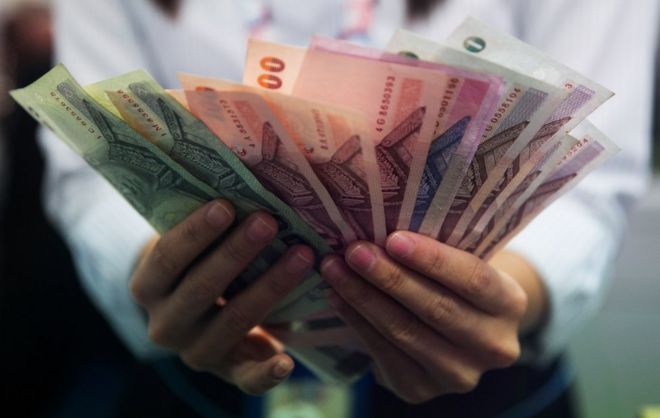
218,215
332,271
400,245
362,258
282,369
260,230
298,262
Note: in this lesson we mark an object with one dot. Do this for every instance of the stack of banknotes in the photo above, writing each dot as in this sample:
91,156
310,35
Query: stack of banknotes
465,141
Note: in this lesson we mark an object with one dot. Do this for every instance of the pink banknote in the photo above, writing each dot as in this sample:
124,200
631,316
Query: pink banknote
245,123
592,149
335,144
400,103
466,103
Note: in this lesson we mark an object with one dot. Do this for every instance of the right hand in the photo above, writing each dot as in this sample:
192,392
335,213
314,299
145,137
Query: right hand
181,287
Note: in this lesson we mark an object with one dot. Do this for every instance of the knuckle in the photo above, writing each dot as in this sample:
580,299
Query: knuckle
200,292
442,311
359,296
406,330
234,250
480,280
278,286
160,257
138,291
504,355
195,359
463,381
159,333
519,302
236,319
436,260
192,232
393,280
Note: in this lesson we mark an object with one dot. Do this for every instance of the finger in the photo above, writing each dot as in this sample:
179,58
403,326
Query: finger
251,306
256,365
465,274
256,377
431,302
390,363
445,362
176,249
179,318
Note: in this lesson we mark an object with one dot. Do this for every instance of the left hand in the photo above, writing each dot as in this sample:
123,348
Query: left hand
433,318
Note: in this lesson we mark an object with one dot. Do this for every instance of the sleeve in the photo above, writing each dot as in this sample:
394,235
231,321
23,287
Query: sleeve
574,243
103,232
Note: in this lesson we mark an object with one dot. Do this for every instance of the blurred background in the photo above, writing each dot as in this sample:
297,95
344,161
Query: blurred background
56,351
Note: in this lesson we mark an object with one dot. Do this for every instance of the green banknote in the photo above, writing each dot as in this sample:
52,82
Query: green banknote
161,119
160,187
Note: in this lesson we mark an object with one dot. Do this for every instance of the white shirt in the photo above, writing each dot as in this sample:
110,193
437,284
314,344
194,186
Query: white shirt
572,244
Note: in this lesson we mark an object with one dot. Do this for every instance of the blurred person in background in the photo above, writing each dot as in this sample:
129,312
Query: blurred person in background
545,284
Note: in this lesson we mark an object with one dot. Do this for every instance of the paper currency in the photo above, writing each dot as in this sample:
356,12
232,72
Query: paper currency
465,142
583,97
592,149
156,186
502,208
400,104
466,103
161,119
247,125
522,108
334,143
288,62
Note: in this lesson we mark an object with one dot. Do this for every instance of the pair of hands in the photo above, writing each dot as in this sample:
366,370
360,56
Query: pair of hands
437,315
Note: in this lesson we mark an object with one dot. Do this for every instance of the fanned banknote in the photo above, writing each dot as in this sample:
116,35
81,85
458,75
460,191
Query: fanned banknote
465,142
333,142
466,102
523,98
157,187
593,149
502,208
246,124
399,102
583,97
161,119
275,68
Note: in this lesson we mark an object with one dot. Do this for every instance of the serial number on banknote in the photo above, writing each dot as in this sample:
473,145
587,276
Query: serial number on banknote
502,109
385,102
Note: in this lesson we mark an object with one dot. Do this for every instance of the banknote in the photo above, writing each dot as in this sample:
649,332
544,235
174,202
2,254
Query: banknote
273,69
399,102
161,119
502,207
362,163
335,143
157,187
246,124
583,96
511,124
593,149
467,101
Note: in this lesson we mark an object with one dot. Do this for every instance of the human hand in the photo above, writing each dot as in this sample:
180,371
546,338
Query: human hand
180,285
433,318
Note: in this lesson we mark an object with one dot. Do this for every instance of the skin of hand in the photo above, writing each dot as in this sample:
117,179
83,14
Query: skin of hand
180,285
439,316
